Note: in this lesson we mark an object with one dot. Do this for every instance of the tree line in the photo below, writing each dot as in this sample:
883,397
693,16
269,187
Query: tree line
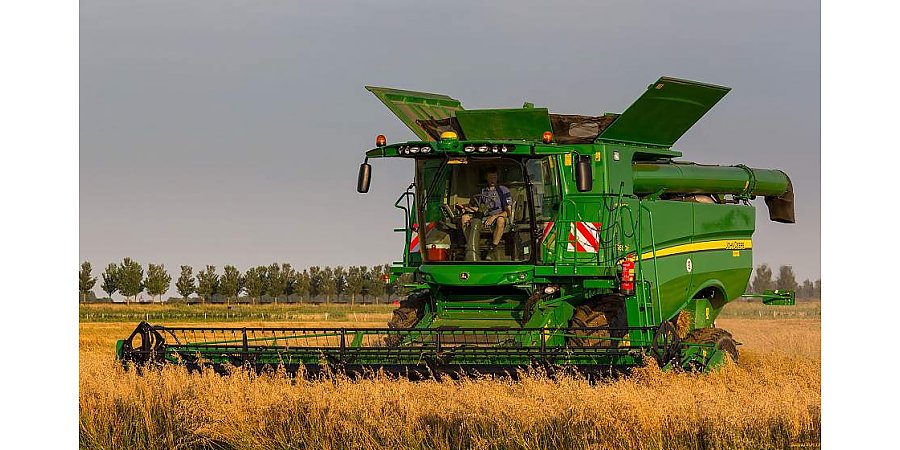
763,281
277,281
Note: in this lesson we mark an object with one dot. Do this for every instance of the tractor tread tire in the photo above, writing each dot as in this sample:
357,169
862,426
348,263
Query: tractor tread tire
410,311
407,315
598,312
714,336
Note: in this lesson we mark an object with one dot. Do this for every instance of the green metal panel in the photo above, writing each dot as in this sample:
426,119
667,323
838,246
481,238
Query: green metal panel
410,106
476,274
665,225
729,221
523,123
664,113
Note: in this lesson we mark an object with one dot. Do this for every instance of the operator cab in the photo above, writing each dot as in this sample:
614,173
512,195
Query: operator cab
483,208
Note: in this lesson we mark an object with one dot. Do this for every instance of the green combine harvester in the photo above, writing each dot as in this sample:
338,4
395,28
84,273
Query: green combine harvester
536,240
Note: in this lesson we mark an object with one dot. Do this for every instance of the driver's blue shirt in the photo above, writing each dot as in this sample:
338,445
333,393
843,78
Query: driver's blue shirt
495,199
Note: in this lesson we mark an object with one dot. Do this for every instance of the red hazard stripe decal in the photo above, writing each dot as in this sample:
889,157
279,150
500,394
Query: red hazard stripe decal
547,227
584,237
588,234
414,242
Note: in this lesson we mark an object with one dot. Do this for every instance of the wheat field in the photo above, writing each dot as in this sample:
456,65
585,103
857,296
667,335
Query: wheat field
770,399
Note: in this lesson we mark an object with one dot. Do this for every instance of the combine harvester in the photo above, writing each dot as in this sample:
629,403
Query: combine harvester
536,240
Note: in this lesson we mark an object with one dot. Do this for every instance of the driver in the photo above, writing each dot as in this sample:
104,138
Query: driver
496,202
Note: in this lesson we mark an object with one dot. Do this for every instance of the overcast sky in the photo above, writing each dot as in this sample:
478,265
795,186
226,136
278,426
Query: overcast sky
230,132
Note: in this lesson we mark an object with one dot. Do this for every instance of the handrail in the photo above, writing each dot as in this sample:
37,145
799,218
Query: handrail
406,214
655,266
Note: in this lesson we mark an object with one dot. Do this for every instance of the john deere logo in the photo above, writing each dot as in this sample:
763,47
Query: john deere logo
464,276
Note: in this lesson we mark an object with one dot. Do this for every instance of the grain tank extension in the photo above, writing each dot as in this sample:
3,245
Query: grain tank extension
537,239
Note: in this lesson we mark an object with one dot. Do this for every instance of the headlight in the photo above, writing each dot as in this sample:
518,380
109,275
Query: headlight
425,149
495,149
469,149
550,290
414,150
504,149
482,149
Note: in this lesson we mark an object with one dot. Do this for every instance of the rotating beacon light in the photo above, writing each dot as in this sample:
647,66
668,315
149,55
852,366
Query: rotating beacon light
449,140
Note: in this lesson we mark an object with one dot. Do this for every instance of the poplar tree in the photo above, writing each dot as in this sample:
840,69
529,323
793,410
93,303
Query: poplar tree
207,283
375,283
289,278
158,280
315,281
786,279
340,280
302,285
110,280
354,283
85,281
274,281
762,279
254,283
185,283
364,275
230,283
130,278
327,283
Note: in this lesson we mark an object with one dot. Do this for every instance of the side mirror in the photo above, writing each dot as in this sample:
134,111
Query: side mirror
584,180
365,176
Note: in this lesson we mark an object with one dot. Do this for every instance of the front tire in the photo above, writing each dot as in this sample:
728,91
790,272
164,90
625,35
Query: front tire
599,312
723,344
410,312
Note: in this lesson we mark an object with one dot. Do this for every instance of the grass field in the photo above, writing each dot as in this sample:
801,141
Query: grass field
770,399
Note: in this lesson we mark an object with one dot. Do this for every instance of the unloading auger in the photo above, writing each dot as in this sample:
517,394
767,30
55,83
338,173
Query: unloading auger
536,240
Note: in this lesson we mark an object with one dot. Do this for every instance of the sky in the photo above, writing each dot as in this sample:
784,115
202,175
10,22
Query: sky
231,132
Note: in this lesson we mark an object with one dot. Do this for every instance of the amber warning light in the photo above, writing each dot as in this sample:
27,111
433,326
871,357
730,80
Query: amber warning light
380,141
548,137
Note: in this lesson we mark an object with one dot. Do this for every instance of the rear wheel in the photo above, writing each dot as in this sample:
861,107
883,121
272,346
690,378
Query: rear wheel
723,346
599,312
407,315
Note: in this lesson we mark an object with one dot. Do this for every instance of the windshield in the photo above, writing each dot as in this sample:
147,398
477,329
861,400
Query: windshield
478,209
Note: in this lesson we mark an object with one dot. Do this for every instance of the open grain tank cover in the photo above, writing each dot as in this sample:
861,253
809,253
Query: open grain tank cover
781,208
664,113
414,107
